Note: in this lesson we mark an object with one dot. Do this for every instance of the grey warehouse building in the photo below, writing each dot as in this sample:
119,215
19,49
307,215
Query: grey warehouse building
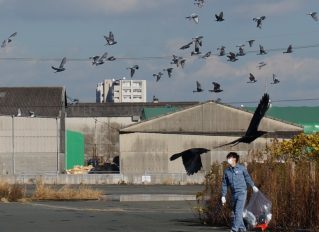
145,147
32,130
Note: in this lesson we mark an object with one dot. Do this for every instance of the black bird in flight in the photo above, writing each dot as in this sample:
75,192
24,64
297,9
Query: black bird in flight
241,51
221,50
252,78
132,69
169,71
98,60
198,39
194,17
261,50
252,132
261,64
313,15
216,89
220,17
9,40
61,67
110,39
274,80
186,46
206,55
158,76
259,20
178,60
231,57
198,88
196,50
198,43
250,42
191,159
289,49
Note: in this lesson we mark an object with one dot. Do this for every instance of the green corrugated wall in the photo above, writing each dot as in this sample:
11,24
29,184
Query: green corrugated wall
75,149
152,112
306,116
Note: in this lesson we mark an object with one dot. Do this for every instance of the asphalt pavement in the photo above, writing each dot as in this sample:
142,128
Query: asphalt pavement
111,214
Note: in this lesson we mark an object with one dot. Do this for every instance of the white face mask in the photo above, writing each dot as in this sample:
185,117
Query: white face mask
230,161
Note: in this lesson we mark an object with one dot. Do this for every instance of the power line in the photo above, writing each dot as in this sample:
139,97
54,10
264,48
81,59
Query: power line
278,100
31,59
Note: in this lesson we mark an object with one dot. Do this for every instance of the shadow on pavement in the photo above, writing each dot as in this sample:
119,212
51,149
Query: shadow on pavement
193,222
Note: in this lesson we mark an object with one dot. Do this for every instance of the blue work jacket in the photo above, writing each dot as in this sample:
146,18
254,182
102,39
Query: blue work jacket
237,178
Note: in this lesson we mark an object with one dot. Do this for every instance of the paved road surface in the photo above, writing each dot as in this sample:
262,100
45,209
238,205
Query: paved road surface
107,215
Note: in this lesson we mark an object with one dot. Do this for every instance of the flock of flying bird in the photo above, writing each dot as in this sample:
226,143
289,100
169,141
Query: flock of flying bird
192,157
179,61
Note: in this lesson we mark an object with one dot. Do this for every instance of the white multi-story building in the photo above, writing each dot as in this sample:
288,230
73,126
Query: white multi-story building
121,91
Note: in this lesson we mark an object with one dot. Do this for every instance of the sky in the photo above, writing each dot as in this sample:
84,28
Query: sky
149,32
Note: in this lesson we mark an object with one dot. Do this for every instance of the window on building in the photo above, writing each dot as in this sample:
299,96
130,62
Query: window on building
126,83
126,97
137,84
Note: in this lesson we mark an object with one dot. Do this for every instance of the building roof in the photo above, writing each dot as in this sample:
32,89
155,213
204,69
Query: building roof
119,109
303,115
43,101
210,118
153,112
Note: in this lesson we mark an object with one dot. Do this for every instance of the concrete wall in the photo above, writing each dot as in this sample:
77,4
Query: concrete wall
149,152
30,145
103,179
102,131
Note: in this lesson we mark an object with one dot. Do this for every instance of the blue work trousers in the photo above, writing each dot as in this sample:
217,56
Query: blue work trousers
238,202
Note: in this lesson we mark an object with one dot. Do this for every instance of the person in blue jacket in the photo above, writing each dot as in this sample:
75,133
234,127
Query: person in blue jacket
237,178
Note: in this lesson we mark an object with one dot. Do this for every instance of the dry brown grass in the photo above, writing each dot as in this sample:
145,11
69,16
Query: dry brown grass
46,192
11,193
16,193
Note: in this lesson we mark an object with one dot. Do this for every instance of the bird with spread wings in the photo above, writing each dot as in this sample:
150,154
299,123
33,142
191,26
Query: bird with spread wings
191,159
252,132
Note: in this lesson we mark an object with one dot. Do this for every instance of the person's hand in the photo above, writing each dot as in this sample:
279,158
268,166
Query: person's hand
255,189
223,200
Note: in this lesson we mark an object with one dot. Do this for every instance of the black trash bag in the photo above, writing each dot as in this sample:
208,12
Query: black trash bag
257,213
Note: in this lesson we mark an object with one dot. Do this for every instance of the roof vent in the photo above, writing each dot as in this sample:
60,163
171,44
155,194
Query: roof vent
135,118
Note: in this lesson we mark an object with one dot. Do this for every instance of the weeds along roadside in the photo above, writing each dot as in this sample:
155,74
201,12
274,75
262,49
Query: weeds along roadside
289,176
17,192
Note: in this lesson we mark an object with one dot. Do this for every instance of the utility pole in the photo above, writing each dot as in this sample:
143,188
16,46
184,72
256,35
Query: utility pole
13,152
95,140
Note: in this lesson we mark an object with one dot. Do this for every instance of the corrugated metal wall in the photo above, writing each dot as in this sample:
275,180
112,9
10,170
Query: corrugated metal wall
150,152
30,145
